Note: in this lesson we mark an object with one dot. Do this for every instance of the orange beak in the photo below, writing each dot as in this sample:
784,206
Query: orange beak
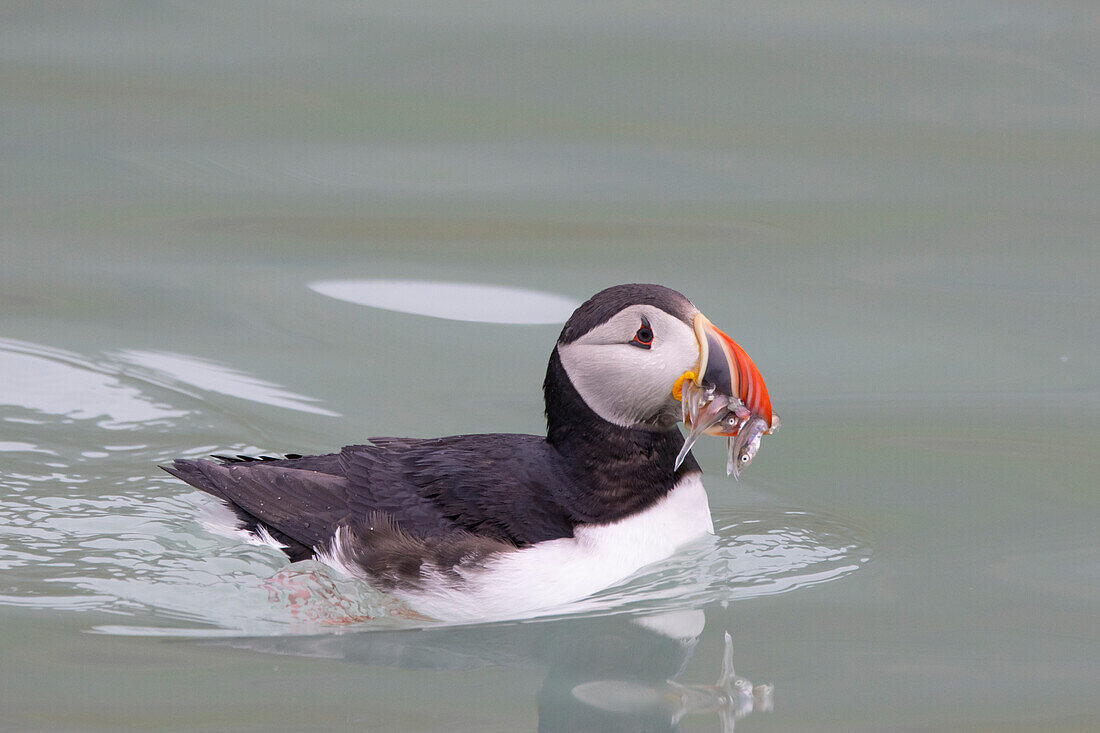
723,363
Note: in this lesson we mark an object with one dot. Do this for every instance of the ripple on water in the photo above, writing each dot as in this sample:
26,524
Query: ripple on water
753,553
39,381
154,563
180,370
453,301
90,528
129,390
86,525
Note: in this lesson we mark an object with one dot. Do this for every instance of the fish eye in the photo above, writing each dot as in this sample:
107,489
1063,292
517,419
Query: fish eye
643,338
745,458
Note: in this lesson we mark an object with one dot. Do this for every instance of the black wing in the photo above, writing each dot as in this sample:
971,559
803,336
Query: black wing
497,487
502,486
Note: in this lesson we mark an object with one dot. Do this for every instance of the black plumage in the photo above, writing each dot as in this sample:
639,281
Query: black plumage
403,502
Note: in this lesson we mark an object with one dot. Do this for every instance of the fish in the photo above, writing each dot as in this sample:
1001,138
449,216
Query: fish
743,446
707,411
703,409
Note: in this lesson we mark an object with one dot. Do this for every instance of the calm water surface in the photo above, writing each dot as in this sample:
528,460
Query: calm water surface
216,220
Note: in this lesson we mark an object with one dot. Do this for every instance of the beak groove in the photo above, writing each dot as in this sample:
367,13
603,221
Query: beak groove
726,366
724,396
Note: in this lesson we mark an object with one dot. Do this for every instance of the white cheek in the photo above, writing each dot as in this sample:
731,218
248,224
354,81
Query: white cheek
624,384
603,375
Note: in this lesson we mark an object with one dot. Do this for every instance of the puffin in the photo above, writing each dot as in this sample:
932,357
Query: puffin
491,526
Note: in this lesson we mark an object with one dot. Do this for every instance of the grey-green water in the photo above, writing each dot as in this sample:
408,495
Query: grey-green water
894,207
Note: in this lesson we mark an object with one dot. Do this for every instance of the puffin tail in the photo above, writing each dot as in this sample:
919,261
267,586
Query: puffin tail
190,472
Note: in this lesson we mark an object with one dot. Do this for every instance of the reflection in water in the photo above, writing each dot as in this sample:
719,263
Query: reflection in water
50,382
212,377
607,674
453,301
732,697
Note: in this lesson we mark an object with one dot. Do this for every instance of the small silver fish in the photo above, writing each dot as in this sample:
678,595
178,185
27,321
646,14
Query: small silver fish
703,409
744,445
715,414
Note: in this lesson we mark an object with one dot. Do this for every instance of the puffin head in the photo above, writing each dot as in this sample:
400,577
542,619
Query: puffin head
628,350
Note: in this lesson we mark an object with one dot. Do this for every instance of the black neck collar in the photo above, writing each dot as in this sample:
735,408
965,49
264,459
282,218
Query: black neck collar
614,471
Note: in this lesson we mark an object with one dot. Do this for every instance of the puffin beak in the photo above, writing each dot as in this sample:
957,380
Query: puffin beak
724,364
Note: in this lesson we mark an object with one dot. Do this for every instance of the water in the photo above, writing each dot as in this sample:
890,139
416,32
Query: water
891,206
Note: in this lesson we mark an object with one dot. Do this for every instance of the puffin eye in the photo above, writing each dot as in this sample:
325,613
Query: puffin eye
643,338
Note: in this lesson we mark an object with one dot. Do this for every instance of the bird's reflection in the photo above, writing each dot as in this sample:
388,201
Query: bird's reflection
732,697
603,674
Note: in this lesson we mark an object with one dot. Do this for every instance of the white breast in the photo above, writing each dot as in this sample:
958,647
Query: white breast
549,574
